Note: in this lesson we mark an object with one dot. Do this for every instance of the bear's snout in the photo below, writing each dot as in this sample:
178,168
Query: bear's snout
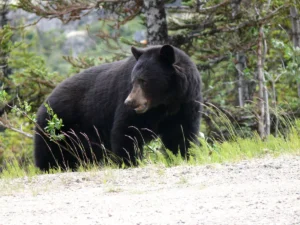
138,106
129,102
136,98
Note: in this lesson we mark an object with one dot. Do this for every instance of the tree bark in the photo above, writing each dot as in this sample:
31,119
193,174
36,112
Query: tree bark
260,73
274,104
157,30
266,93
240,66
264,123
267,112
295,26
235,6
240,61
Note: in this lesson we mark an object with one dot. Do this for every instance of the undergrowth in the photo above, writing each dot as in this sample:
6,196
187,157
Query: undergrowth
234,147
218,152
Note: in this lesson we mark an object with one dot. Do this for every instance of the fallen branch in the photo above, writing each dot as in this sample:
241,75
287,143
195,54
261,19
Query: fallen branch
8,126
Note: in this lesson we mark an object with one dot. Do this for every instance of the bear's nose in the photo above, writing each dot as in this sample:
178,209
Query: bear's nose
129,102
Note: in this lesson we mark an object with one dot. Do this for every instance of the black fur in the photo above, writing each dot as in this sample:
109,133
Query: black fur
91,103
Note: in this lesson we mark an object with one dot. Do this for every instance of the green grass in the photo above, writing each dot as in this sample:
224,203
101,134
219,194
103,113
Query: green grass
245,148
233,150
13,169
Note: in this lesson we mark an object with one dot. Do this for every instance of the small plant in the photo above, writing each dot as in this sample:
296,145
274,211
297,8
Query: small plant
54,125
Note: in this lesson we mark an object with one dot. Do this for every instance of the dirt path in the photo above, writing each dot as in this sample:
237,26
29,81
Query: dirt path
261,191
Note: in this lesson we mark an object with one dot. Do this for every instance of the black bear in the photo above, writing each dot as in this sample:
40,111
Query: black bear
115,108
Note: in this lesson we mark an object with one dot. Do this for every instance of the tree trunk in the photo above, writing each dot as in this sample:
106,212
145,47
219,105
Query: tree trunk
274,104
240,60
295,33
235,7
240,66
157,31
295,26
267,111
266,93
264,123
261,80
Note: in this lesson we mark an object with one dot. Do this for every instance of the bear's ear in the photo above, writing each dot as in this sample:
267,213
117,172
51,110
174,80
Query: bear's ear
167,53
136,52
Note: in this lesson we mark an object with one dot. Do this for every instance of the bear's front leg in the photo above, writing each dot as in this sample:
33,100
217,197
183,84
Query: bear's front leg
125,144
178,137
179,130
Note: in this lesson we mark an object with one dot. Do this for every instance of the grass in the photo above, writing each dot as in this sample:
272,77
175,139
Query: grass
218,152
238,146
13,169
245,148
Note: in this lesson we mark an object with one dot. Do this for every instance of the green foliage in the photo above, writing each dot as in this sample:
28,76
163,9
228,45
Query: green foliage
54,124
3,98
30,80
23,109
13,145
22,91
5,40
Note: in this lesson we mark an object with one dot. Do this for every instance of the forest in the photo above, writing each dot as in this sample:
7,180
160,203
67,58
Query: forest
247,52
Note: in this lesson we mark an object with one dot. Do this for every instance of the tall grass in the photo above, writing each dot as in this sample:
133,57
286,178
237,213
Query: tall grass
232,150
236,147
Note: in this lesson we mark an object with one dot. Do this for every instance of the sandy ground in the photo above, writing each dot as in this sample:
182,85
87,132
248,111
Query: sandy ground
260,191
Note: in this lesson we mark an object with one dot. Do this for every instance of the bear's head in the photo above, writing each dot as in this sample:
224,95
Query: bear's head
155,78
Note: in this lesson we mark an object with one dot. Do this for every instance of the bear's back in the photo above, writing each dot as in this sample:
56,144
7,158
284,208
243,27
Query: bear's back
74,98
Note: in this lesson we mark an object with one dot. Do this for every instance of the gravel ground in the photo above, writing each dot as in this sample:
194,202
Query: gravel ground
259,191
